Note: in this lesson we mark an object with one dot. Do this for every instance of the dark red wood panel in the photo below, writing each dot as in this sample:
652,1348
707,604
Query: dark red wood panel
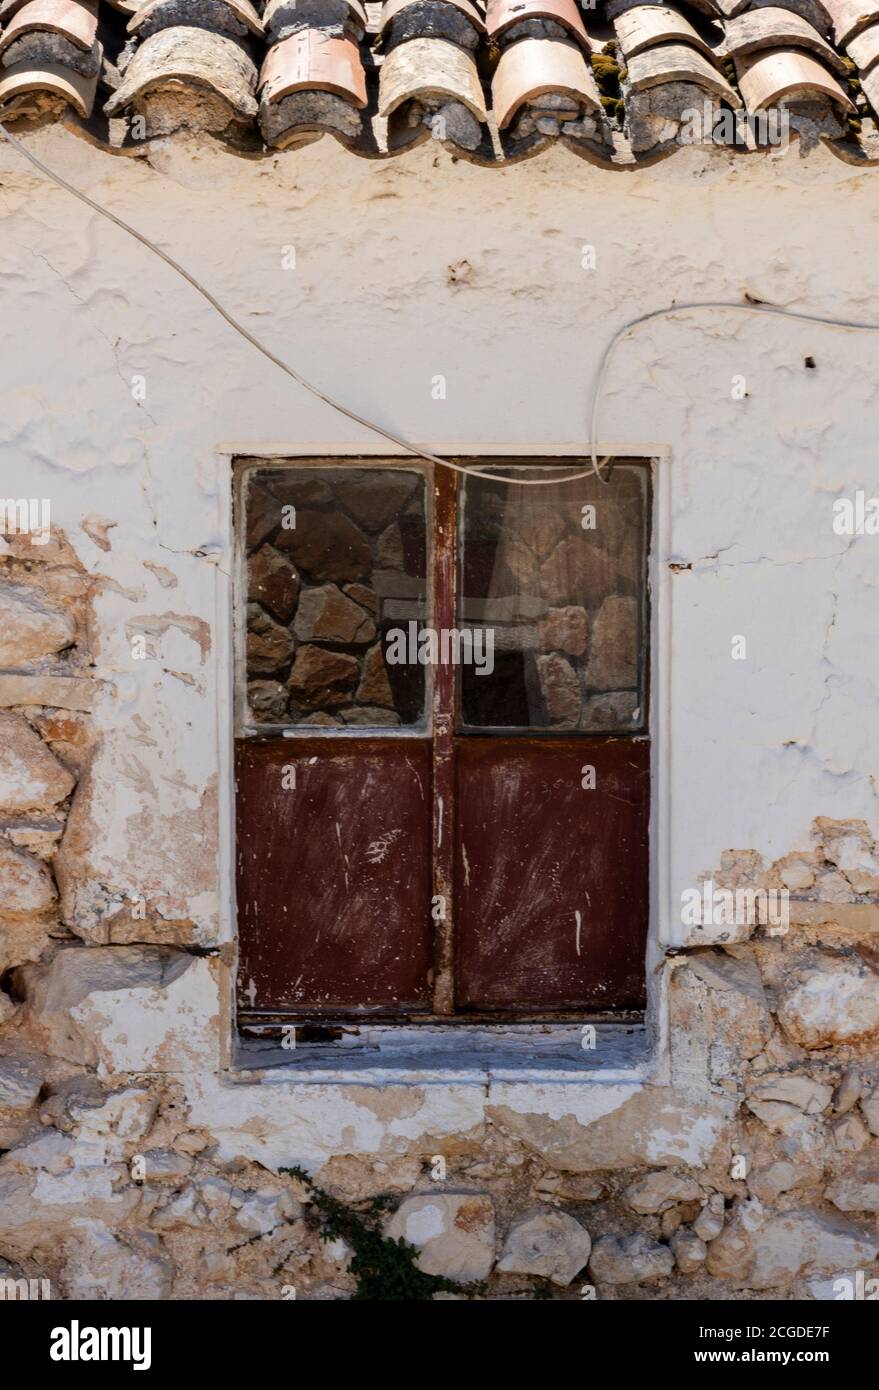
534,850
334,876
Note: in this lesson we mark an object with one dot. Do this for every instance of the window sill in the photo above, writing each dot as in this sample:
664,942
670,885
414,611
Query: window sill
440,1056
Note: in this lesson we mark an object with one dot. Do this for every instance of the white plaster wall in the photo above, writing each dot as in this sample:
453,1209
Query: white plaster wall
758,748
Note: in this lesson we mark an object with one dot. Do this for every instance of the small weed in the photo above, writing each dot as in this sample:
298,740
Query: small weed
384,1269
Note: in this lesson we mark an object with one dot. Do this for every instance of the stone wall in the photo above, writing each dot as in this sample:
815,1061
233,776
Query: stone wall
131,1170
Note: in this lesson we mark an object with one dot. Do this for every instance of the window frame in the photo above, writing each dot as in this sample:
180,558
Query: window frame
491,1028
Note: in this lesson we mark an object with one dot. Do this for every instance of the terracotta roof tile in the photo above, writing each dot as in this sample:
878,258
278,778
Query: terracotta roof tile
191,57
645,26
613,81
850,17
502,15
21,83
430,70
864,49
314,61
774,27
678,62
74,20
766,78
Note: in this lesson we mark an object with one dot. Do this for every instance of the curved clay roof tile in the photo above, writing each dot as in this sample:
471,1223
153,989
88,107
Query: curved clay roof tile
774,27
23,78
644,26
678,62
500,15
312,61
430,68
865,48
535,67
850,17
74,20
391,8
784,74
242,9
191,56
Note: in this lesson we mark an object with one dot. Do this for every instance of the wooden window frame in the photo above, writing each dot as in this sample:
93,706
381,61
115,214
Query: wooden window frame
443,515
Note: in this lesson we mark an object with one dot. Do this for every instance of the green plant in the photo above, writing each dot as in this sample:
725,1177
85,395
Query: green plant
384,1269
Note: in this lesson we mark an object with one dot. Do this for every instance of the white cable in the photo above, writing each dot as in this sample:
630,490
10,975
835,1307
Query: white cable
603,369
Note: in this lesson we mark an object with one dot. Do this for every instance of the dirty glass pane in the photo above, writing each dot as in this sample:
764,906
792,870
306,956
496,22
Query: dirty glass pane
336,559
552,585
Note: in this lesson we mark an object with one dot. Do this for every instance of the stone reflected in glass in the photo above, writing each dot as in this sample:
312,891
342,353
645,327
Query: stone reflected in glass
335,558
557,573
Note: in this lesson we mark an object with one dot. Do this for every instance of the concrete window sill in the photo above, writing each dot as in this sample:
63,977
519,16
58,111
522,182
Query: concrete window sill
432,1055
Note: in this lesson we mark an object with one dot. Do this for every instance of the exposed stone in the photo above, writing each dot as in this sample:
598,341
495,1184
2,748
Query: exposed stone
21,1076
661,1190
797,876
613,647
327,547
164,1166
126,1008
564,630
257,1213
850,846
31,777
618,710
780,1097
767,1252
577,572
560,689
31,627
374,498
267,701
857,1189
849,1134
848,1092
389,548
326,615
320,677
362,594
57,692
709,1223
870,1111
548,1244
371,715
689,1251
769,1181
26,887
720,1015
567,1187
650,1126
375,687
830,1000
269,646
103,1265
634,1259
453,1232
273,582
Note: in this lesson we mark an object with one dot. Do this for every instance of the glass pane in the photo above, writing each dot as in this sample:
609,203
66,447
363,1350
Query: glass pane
335,558
556,577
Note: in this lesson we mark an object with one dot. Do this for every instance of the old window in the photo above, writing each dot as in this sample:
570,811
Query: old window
442,757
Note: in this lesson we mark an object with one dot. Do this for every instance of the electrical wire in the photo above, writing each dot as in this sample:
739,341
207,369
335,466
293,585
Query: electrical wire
671,311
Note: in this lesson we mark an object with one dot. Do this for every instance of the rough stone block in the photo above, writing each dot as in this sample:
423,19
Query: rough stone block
453,1232
127,1008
